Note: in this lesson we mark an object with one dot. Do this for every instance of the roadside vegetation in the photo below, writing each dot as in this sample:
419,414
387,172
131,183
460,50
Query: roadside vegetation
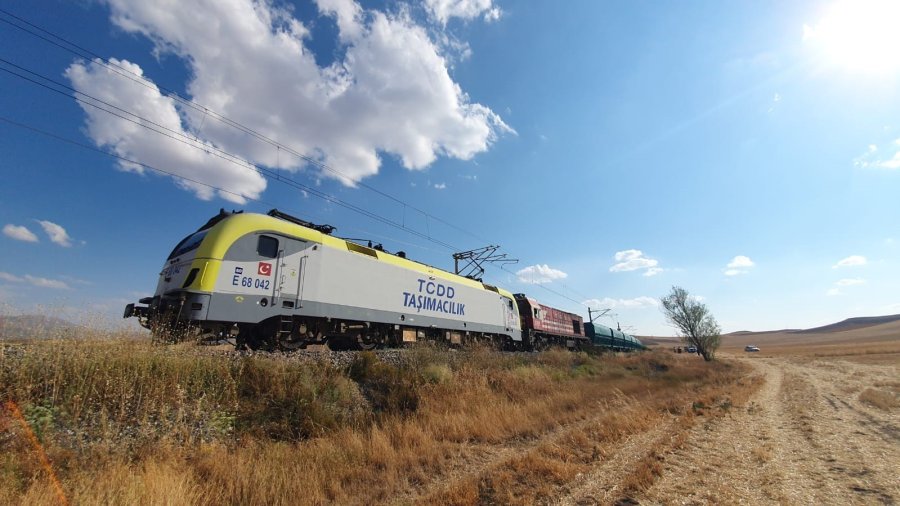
127,422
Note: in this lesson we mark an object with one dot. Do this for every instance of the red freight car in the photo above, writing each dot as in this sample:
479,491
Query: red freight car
543,325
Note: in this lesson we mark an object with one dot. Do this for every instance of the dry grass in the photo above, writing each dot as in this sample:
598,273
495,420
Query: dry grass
881,399
762,454
663,386
125,422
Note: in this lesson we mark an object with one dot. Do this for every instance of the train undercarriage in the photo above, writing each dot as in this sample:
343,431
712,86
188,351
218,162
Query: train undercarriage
290,333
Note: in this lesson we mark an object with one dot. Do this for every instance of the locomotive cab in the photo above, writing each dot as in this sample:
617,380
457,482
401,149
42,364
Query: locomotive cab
178,297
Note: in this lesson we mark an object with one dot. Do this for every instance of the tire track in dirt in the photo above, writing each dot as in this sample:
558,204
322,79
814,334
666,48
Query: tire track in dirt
603,485
799,441
859,444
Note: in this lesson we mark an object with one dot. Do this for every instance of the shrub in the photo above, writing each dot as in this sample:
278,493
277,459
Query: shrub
437,373
40,417
390,389
286,401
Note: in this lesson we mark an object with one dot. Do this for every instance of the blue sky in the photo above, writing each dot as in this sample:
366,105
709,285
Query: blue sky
746,151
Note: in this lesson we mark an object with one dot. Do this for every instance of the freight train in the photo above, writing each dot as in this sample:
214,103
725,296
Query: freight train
273,281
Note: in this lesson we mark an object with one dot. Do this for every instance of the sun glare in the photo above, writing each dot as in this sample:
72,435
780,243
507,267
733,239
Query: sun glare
861,35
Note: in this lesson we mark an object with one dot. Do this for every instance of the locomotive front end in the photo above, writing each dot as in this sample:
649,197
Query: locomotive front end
178,300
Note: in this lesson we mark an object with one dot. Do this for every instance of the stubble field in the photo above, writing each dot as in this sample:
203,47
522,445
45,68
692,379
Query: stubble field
126,422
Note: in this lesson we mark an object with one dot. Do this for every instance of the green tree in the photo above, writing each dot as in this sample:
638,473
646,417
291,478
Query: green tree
696,326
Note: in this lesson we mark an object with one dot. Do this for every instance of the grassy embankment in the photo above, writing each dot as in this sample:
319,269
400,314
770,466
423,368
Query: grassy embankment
125,422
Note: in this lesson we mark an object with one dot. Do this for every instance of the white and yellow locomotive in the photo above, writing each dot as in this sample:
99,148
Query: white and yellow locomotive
274,281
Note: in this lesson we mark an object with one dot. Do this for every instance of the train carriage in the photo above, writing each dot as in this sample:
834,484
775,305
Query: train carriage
277,281
544,325
603,336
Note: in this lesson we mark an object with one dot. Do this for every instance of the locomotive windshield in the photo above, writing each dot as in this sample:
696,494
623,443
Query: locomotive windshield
189,243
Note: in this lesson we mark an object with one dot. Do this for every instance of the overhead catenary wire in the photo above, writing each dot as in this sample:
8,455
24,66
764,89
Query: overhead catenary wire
184,178
71,47
78,50
208,149
143,165
73,142
541,285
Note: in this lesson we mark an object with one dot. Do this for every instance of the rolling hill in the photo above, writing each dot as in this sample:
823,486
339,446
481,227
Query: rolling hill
852,331
859,330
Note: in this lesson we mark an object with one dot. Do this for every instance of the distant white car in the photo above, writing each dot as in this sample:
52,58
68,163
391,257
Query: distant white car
750,347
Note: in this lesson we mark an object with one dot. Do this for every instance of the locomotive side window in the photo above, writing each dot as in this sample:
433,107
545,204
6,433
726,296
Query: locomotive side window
267,246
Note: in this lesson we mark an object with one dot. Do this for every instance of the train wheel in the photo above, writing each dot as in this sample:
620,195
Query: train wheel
366,343
291,342
240,343
256,338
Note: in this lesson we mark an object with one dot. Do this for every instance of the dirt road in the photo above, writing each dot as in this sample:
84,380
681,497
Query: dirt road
819,431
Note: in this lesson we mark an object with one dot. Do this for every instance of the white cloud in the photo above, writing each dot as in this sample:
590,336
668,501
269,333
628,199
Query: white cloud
129,140
78,281
850,261
738,265
34,280
609,303
740,262
19,233
652,271
443,10
538,274
632,260
46,283
5,276
875,158
835,290
774,104
348,15
390,92
440,186
56,233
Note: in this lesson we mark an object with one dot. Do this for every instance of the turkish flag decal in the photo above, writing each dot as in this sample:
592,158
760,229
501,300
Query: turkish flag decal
265,269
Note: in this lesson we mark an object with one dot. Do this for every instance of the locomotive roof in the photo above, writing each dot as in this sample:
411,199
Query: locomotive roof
229,229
